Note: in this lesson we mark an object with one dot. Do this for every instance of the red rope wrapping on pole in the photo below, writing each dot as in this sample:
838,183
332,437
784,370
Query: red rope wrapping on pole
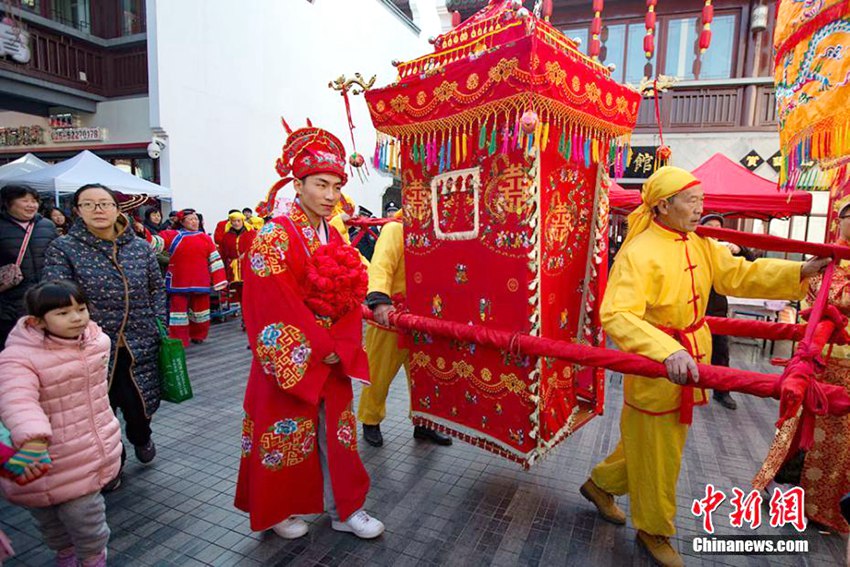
367,225
775,243
756,329
730,379
777,331
359,236
797,384
362,222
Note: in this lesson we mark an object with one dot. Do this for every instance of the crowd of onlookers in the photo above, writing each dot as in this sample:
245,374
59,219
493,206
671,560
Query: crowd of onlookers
84,294
81,296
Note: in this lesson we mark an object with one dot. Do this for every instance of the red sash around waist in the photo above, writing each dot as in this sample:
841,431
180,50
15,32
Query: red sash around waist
686,410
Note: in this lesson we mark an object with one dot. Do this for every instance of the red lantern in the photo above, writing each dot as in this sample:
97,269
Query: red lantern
707,18
596,26
596,29
704,40
547,9
649,21
455,19
648,45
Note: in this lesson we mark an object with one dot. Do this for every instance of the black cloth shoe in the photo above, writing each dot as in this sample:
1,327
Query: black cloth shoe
145,453
431,435
372,435
725,399
197,341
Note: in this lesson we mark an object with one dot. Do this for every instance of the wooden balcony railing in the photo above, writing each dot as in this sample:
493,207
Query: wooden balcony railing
71,62
714,107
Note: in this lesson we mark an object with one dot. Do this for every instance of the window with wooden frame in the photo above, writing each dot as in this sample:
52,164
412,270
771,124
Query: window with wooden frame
622,45
74,13
677,49
132,17
682,58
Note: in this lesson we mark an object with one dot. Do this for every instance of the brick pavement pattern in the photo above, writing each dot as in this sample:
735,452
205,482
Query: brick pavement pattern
442,505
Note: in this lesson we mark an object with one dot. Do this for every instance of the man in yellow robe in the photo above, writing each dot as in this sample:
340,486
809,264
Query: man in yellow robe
341,215
252,219
655,306
386,287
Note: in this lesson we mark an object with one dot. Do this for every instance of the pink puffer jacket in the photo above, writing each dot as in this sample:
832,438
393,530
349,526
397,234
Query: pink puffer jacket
57,389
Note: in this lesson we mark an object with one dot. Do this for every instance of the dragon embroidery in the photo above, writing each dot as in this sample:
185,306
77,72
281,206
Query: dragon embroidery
791,96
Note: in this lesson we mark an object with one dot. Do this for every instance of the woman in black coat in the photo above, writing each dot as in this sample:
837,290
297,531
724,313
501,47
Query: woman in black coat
119,273
153,221
19,211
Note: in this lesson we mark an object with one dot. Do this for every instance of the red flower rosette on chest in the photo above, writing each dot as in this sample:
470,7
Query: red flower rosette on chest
336,281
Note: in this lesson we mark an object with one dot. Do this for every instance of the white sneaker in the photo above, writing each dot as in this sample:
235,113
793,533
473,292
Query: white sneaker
360,524
291,528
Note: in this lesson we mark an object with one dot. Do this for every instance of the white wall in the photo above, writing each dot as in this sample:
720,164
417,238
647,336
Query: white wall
222,74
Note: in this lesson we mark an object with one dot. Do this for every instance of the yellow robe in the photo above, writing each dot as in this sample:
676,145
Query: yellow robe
664,278
339,224
386,275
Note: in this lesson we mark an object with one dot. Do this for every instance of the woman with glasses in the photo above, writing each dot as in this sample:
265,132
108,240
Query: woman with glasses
194,270
119,273
19,217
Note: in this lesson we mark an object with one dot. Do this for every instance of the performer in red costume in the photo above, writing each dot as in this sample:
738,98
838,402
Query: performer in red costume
237,239
221,226
195,268
303,288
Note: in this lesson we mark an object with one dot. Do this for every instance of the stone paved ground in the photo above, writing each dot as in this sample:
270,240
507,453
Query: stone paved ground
454,506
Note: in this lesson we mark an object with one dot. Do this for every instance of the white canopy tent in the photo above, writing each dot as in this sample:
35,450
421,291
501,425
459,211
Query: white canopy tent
85,167
22,165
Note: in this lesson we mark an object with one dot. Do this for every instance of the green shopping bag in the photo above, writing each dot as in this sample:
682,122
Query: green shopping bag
174,375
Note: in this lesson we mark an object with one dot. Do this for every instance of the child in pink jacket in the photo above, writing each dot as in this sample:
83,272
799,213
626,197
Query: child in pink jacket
6,451
54,401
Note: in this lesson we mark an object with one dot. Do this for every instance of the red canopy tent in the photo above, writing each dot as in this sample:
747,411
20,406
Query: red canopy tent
732,190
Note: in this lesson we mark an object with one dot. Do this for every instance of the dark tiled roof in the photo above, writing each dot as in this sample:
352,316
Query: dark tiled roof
465,5
404,6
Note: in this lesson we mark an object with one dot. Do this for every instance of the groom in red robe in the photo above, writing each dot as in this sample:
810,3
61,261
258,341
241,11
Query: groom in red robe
303,288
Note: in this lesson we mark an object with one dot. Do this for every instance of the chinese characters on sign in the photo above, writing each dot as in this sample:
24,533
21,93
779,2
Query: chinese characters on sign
66,120
752,160
785,508
22,136
14,42
775,161
642,163
66,128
